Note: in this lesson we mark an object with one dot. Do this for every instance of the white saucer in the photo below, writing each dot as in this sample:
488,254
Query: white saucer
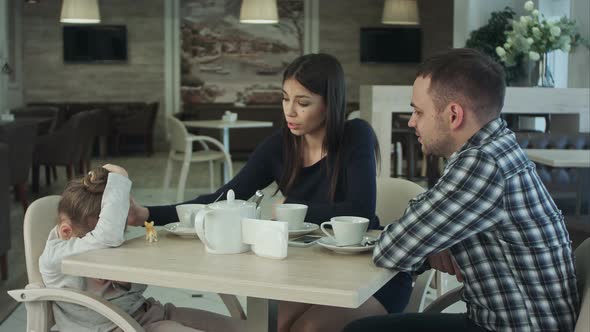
328,243
175,228
305,229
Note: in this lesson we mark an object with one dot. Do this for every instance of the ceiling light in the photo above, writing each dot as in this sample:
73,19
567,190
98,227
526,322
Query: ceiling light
80,11
402,12
259,12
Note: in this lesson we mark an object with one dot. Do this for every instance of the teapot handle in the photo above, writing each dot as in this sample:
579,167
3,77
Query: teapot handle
200,226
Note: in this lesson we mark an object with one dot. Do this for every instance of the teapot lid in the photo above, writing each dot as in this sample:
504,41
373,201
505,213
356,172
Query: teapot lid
231,202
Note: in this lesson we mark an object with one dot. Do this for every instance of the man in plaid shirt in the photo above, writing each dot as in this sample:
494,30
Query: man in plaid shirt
489,219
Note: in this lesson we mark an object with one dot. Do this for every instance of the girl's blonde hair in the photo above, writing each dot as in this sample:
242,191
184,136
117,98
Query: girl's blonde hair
81,200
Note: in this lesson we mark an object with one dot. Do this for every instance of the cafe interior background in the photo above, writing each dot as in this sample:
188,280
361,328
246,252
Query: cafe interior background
197,60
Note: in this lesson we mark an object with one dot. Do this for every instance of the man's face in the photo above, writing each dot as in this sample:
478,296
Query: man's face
431,125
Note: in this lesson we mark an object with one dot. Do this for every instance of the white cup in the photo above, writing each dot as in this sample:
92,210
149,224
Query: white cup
186,213
348,230
294,214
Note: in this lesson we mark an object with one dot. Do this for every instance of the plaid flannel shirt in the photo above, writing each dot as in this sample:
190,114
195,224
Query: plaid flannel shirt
502,227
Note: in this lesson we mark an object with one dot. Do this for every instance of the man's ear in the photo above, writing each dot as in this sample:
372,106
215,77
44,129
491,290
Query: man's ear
65,231
456,115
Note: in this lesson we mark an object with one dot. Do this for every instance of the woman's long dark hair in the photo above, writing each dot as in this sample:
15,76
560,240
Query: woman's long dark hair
321,74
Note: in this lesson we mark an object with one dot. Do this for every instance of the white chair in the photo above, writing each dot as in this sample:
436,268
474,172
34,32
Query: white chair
39,220
181,150
354,115
582,255
393,195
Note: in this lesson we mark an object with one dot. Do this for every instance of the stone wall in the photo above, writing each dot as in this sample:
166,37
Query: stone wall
46,78
340,24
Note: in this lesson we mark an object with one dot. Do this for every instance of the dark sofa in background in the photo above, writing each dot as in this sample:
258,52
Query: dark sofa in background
563,183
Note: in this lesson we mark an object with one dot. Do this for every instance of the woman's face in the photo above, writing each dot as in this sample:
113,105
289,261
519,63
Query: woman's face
305,112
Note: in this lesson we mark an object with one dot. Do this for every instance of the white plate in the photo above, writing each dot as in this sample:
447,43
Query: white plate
181,231
328,243
305,229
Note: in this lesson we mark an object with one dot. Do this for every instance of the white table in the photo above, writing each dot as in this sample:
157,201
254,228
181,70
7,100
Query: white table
225,126
564,158
560,158
309,275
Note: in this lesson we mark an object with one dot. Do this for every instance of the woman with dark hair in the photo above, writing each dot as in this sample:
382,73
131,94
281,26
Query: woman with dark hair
318,159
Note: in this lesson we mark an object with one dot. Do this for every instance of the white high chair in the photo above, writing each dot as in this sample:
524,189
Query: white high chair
40,218
181,150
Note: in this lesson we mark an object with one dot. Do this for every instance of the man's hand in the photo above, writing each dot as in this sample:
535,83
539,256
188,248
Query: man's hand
137,214
444,262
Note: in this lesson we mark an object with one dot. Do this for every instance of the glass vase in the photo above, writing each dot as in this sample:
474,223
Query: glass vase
528,74
545,76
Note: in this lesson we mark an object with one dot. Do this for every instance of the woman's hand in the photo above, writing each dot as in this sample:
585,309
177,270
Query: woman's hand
116,169
137,213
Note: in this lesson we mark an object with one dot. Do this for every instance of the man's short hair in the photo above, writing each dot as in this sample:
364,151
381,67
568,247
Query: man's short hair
468,77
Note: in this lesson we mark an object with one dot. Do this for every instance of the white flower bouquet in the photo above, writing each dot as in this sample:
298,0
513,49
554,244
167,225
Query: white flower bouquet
532,36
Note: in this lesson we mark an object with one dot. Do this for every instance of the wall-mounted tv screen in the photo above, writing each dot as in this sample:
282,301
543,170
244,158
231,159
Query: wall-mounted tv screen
391,45
94,43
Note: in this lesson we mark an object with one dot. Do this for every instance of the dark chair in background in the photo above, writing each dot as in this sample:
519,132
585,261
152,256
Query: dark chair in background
20,138
4,211
53,115
136,123
59,148
88,134
122,120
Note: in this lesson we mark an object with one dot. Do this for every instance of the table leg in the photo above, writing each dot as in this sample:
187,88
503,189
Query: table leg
225,133
262,315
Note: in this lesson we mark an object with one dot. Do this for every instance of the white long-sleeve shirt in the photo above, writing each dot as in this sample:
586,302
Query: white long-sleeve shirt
109,232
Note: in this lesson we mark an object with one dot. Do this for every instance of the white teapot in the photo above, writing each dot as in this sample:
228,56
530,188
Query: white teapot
219,225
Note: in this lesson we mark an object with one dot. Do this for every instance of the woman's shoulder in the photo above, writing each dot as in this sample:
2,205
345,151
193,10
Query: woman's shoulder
358,132
358,126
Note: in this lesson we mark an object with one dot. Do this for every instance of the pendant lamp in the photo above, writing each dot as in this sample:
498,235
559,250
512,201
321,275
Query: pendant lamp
402,12
259,12
80,11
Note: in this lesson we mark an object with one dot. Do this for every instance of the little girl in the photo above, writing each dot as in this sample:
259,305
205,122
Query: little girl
92,214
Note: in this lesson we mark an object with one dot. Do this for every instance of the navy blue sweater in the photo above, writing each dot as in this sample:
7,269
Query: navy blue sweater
355,190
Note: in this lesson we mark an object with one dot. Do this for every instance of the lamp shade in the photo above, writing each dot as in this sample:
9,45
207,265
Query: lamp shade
259,12
80,11
400,12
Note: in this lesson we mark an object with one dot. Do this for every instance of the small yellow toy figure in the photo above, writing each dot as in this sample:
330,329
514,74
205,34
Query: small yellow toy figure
150,232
